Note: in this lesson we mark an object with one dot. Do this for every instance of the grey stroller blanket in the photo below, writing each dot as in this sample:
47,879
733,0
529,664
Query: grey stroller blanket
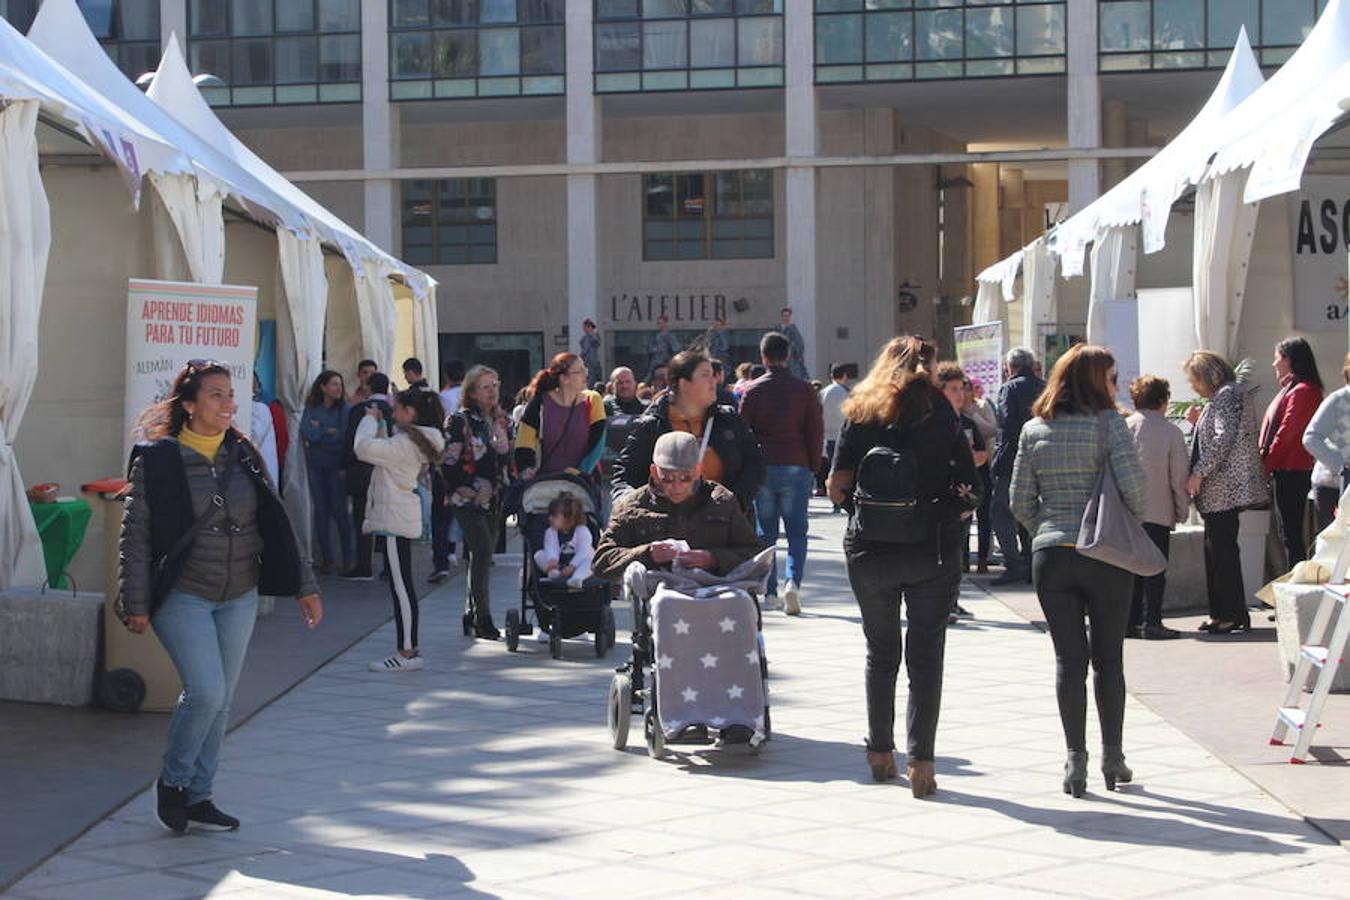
751,576
706,649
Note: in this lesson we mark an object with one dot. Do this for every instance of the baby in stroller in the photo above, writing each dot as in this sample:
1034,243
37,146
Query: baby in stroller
568,550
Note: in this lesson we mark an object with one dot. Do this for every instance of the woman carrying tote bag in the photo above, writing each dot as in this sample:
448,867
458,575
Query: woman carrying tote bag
1058,474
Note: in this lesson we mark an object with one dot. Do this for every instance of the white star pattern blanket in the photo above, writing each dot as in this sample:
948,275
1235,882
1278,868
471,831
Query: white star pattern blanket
707,660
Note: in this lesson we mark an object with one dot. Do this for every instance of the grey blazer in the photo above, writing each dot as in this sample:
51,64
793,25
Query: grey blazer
1225,453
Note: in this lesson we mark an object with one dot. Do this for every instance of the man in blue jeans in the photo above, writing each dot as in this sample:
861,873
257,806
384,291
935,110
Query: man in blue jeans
1015,398
785,414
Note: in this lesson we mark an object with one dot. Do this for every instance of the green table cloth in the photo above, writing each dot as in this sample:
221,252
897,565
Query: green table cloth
61,526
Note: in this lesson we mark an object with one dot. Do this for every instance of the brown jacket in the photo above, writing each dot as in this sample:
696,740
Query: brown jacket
709,520
784,413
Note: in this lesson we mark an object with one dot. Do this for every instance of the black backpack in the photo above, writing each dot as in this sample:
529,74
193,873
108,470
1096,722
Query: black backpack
887,507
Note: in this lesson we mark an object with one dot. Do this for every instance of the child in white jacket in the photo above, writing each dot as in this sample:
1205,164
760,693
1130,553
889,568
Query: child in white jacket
568,551
393,508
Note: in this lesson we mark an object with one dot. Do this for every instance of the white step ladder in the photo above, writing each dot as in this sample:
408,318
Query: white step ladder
1321,655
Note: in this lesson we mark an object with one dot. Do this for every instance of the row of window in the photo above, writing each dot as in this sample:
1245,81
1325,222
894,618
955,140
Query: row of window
306,51
702,215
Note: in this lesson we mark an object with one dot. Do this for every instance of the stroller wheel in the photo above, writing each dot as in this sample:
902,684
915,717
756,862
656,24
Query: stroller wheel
656,739
555,645
607,625
620,709
512,630
468,624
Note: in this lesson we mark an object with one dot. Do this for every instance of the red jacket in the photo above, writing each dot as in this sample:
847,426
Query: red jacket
1282,429
785,414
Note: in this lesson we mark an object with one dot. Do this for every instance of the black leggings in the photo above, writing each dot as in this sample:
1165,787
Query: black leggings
401,587
1071,586
1223,568
1291,502
928,586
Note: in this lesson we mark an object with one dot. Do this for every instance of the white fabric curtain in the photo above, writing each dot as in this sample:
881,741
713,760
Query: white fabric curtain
1115,255
988,302
1224,228
1038,292
25,240
378,317
196,210
300,323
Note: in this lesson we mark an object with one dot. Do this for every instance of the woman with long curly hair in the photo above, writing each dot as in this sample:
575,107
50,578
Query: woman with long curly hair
203,534
903,546
323,428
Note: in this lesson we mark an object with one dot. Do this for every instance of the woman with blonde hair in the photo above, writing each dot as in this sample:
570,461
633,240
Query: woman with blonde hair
1060,455
904,471
1227,476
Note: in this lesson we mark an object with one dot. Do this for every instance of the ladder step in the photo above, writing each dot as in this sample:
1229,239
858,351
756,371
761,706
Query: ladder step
1292,716
1315,655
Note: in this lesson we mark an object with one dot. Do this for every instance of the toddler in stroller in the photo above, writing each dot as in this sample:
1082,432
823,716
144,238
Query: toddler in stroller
559,526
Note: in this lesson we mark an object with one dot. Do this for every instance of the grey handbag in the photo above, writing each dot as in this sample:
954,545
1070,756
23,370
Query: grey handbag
1109,531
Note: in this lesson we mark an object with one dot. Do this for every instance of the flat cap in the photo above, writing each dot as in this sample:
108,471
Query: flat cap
677,451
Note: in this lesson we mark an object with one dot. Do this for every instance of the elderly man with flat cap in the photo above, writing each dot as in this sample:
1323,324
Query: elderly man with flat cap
676,505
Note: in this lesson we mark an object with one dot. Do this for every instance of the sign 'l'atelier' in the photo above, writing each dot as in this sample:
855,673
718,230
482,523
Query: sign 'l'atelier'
700,307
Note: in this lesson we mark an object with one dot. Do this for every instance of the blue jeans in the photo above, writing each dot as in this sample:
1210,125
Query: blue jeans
1006,528
786,495
328,493
207,641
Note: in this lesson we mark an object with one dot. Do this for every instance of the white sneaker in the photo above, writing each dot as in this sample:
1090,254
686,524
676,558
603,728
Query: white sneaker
540,635
770,602
792,601
397,663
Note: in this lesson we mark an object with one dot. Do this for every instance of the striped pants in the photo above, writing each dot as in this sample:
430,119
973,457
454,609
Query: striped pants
398,559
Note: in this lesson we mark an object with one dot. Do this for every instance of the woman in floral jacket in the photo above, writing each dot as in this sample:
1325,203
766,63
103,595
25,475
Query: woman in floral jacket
477,466
1227,476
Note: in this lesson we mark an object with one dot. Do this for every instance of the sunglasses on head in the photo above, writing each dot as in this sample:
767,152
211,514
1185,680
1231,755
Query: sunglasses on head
675,477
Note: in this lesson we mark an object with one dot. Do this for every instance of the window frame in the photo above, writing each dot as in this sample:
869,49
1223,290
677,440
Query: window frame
916,67
282,93
441,86
438,188
708,216
1211,55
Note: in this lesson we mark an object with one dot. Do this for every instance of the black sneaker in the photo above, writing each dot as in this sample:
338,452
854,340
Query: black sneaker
171,807
205,813
357,573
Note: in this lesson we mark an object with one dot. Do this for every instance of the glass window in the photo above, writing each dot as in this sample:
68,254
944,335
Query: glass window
712,7
499,51
297,60
208,17
890,37
618,48
450,222
712,43
250,17
410,13
411,55
1226,18
1178,24
339,15
761,41
616,9
665,45
496,12
1285,22
989,33
295,17
938,34
719,215
1124,26
839,39
211,58
1040,30
138,20
339,58
99,15
251,62
542,11
663,9
542,50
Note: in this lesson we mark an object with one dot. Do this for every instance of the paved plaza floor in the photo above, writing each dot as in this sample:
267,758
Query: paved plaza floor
491,774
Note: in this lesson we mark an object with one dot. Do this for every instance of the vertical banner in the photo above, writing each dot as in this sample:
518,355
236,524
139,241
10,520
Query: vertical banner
170,323
1321,225
979,351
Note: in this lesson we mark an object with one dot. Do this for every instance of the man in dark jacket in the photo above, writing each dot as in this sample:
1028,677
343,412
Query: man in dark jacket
676,505
1015,398
785,415
358,474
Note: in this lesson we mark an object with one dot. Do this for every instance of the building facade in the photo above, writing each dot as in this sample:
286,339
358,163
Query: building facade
550,161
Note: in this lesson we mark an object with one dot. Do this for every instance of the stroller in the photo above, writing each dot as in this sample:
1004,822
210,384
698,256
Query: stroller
698,658
560,610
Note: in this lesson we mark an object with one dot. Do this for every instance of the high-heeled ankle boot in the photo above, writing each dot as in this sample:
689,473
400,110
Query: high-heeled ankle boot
1075,773
1114,769
882,764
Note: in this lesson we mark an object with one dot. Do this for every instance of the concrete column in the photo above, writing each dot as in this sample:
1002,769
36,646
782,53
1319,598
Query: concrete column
801,143
1136,135
984,214
173,20
379,128
584,147
1085,102
1114,127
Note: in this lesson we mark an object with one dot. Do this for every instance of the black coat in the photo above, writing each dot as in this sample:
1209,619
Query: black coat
732,439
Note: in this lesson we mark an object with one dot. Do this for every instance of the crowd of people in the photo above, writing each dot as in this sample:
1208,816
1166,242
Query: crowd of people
704,466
